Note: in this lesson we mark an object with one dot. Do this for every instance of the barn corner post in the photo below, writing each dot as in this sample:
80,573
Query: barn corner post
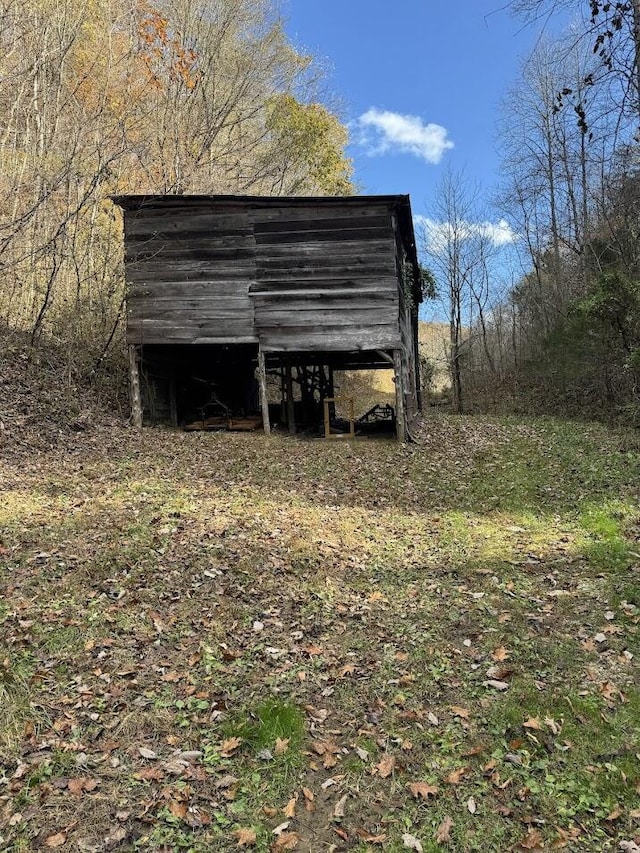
134,385
264,400
401,417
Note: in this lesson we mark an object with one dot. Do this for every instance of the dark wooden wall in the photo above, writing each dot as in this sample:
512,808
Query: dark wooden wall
188,271
325,278
303,277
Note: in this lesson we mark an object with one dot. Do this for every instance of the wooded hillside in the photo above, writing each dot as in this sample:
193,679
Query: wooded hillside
100,98
553,297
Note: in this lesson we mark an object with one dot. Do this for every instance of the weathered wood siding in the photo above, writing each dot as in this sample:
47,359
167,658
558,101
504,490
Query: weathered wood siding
325,278
316,275
189,268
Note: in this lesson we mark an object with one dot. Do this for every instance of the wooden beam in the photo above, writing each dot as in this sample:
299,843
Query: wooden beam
134,384
264,401
385,356
401,420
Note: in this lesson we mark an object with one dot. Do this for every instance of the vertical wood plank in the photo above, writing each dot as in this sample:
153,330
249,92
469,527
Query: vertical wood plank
332,393
401,422
264,401
283,396
134,382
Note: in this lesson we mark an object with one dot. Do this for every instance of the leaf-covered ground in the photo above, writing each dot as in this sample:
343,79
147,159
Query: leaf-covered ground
220,642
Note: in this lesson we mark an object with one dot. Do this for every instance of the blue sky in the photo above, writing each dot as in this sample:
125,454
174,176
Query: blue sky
419,82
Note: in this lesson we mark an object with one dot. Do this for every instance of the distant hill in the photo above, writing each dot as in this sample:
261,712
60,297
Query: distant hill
434,343
368,387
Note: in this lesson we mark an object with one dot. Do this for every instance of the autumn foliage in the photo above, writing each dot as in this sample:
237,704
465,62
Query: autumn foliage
152,97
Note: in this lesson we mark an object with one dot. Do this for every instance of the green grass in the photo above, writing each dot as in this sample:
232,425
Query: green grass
227,633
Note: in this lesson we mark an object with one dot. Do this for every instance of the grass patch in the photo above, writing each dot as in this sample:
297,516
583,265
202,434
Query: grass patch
320,626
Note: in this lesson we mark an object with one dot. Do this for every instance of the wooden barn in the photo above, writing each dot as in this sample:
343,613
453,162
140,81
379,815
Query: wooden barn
244,306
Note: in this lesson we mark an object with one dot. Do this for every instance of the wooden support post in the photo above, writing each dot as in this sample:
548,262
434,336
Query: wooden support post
283,396
264,401
134,384
173,397
401,422
291,411
332,393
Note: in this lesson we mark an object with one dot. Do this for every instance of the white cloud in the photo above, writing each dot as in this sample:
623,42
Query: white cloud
382,131
500,233
438,234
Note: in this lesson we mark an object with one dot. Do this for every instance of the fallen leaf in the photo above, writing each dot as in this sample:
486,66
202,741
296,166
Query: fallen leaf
533,840
178,809
422,789
533,723
455,776
471,806
497,685
115,836
339,807
386,766
197,817
608,690
150,774
229,746
443,832
458,711
551,724
411,842
363,835
329,760
56,840
615,814
78,786
286,841
499,672
282,745
145,752
290,809
500,654
245,837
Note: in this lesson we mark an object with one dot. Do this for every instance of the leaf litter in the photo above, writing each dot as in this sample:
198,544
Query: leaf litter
160,588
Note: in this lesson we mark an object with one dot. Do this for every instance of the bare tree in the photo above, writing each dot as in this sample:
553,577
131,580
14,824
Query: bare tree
457,242
156,96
